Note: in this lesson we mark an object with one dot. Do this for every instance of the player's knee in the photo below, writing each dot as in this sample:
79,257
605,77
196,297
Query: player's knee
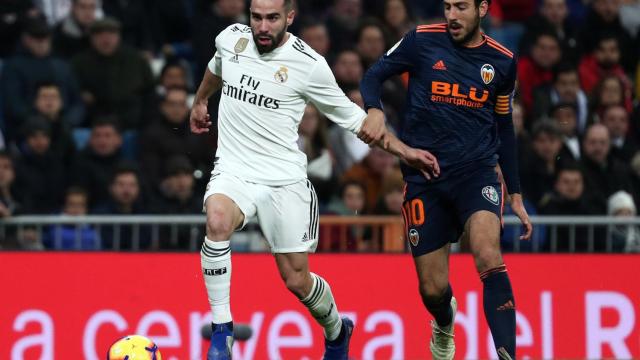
488,258
296,283
219,226
432,292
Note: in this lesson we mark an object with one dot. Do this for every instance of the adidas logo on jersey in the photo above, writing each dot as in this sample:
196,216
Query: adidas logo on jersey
439,65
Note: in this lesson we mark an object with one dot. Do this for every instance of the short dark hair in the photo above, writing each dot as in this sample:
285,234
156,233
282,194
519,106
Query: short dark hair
478,2
572,166
546,127
289,4
124,168
107,120
77,190
564,67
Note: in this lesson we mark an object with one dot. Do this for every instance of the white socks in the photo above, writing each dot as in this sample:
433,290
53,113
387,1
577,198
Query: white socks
323,307
215,258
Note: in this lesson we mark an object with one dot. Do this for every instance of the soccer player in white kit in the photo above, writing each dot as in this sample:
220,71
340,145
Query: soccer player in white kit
267,76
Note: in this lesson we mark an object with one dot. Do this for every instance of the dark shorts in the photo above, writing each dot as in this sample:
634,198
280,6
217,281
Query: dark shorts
435,214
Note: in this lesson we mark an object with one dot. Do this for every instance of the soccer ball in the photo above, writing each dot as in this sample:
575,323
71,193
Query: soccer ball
134,347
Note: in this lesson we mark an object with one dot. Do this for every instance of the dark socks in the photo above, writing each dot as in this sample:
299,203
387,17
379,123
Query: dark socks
499,309
441,308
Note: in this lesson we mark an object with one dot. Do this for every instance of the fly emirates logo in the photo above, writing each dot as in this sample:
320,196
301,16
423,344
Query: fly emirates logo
247,92
444,92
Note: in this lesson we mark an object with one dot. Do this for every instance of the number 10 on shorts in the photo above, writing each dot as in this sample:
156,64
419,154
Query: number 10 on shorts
413,212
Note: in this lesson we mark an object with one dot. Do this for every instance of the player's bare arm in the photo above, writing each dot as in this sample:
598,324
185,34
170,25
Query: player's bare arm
199,120
417,158
374,128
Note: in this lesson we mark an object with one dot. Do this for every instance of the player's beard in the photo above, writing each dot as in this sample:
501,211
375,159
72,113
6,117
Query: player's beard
275,41
475,28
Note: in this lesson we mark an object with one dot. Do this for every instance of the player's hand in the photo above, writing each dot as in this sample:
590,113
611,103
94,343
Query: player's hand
374,129
423,161
199,119
521,212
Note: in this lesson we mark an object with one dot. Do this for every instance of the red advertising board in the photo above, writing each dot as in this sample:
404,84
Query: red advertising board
73,305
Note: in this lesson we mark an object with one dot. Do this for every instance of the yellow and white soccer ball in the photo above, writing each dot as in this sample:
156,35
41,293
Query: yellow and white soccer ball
134,347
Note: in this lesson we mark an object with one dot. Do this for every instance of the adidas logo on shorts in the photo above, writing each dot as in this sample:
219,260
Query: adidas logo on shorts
305,237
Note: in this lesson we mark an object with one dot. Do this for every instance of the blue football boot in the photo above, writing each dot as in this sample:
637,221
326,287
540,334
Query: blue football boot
221,342
334,350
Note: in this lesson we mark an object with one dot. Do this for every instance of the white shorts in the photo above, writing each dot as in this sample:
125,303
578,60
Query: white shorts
288,215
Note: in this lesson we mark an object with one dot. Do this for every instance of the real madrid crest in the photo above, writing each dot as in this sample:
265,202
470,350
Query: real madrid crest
241,45
487,73
281,75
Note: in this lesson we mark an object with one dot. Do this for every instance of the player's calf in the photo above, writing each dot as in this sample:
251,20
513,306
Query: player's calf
437,302
499,309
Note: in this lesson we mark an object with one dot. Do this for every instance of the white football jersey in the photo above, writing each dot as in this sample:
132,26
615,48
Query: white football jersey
263,100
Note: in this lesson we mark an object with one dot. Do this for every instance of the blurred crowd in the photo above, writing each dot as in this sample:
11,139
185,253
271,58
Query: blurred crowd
95,98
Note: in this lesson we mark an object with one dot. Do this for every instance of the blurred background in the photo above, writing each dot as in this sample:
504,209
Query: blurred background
95,99
96,153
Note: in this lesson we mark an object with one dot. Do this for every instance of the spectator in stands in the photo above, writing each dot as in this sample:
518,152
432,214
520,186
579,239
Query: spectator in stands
316,35
125,198
568,199
522,135
397,19
370,42
72,237
348,69
32,65
171,27
347,147
170,135
177,187
610,91
135,20
71,35
177,195
536,69
48,105
93,167
506,18
616,119
13,15
604,174
538,170
630,17
343,20
565,116
392,195
10,203
553,16
635,177
173,75
216,16
371,171
623,237
602,61
313,141
352,201
115,79
40,173
604,18
565,88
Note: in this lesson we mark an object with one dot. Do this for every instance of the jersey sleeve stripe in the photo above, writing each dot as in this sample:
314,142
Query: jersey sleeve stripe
499,47
507,53
489,38
432,26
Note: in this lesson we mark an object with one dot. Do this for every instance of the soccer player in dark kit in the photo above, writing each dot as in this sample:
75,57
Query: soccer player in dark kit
458,108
